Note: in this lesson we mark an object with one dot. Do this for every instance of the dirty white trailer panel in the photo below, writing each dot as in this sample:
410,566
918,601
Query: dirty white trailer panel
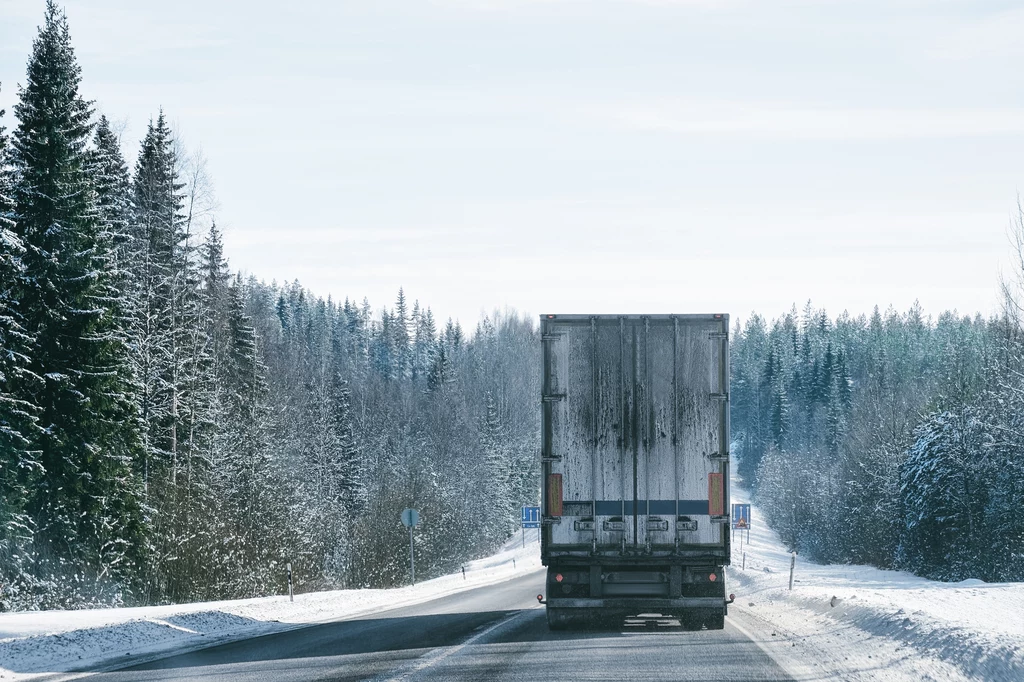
635,439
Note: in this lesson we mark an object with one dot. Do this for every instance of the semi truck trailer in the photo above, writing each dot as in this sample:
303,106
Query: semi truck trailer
635,468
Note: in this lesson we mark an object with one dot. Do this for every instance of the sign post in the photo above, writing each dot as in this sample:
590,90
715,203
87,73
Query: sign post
410,519
531,519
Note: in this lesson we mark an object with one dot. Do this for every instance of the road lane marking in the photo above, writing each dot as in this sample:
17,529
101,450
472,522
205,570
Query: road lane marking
441,653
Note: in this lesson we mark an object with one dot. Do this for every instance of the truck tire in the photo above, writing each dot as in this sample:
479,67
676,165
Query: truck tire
608,620
690,620
715,621
566,619
697,619
712,619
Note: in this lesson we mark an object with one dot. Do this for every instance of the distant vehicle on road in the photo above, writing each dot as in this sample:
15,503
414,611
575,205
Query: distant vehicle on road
635,460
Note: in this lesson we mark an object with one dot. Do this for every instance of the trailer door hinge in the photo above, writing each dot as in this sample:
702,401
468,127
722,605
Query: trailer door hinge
719,335
550,520
550,337
720,396
719,457
724,518
553,397
552,458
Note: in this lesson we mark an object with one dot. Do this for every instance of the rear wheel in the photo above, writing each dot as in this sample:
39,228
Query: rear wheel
690,620
584,619
607,620
715,621
704,617
566,619
697,619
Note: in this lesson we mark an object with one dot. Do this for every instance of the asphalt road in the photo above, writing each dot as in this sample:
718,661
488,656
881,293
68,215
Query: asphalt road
489,633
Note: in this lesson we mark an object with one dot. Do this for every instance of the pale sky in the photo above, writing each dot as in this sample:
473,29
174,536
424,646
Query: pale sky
584,155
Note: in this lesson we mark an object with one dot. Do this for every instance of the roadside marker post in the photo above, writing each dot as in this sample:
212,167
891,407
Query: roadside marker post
792,566
291,597
410,519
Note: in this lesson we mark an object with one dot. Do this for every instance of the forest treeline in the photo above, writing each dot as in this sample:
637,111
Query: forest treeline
173,431
892,439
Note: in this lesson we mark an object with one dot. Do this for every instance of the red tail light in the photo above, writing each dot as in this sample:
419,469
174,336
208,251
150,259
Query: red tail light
558,577
712,577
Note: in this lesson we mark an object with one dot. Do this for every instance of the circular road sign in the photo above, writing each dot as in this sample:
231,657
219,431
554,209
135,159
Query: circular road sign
410,518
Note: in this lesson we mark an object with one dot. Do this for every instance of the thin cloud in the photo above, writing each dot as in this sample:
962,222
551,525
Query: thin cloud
822,123
994,35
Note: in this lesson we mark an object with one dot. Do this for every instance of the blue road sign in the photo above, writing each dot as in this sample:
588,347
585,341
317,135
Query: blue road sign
531,517
741,516
410,518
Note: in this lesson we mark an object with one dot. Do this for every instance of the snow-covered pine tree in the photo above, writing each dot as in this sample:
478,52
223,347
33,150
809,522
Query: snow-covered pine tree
944,498
86,506
216,280
19,465
441,373
496,471
245,467
192,362
424,341
400,342
350,463
158,236
112,184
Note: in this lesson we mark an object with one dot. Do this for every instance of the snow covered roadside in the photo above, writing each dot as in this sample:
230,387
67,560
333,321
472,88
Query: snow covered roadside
882,625
37,644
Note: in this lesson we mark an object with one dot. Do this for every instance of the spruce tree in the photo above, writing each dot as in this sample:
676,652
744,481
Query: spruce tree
112,184
246,467
85,506
158,237
19,465
493,443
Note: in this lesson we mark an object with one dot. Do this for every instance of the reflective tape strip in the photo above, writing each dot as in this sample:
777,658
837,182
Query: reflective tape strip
716,494
554,494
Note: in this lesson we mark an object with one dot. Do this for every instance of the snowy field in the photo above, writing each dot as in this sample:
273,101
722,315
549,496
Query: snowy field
37,643
881,625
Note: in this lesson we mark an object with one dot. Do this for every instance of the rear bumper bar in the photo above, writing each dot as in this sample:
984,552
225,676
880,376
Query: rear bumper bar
641,603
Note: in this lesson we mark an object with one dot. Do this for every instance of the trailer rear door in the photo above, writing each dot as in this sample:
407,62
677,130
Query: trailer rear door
635,441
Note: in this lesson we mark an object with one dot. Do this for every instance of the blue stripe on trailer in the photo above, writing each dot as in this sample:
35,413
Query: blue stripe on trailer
654,507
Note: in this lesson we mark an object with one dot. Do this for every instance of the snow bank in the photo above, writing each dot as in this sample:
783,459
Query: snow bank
862,623
46,642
